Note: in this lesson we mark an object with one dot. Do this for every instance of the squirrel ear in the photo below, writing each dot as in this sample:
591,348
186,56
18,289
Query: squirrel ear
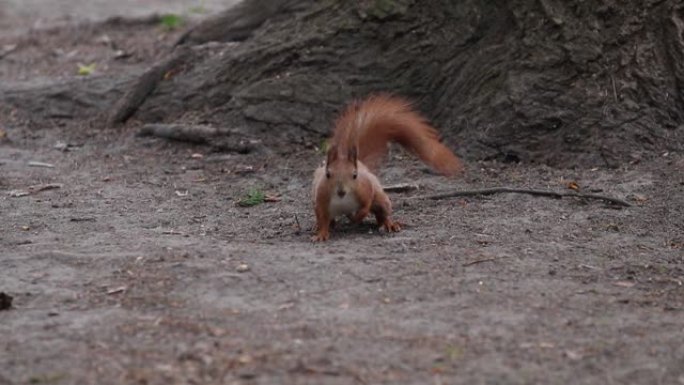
332,154
353,154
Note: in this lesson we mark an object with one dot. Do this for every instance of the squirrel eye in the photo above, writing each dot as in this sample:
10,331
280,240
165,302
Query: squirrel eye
327,174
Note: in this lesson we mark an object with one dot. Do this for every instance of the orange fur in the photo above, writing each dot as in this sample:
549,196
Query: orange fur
374,123
346,186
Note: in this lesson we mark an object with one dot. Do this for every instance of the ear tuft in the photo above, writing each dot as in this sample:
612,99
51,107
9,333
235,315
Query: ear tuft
353,154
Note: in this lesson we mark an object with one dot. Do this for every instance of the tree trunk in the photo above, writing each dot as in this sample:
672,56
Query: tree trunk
550,81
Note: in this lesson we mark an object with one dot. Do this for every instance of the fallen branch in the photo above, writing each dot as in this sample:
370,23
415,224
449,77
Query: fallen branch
499,190
182,132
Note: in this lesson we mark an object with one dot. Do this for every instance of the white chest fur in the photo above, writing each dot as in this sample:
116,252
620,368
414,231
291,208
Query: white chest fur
347,205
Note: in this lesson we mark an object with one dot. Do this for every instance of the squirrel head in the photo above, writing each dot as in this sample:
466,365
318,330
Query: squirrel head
341,170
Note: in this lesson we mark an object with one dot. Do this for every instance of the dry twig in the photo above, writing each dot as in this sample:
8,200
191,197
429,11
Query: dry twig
402,187
499,190
475,262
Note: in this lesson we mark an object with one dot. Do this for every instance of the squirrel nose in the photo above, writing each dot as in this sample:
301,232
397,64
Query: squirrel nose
341,193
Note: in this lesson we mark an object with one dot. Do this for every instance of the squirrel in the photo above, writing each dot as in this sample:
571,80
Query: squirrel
346,185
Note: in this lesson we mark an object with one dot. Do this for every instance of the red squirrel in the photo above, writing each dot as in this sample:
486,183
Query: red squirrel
345,184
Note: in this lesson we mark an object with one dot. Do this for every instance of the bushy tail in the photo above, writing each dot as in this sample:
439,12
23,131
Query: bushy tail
375,122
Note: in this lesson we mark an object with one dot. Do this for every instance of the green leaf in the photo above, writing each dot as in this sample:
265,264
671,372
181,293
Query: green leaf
171,21
85,70
254,197
324,147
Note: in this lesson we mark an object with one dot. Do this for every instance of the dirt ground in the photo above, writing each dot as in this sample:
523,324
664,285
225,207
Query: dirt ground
141,268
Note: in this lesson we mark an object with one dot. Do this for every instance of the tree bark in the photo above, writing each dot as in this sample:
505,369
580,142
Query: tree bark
564,83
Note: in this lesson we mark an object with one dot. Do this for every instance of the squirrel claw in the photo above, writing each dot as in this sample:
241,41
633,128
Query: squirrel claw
320,237
391,227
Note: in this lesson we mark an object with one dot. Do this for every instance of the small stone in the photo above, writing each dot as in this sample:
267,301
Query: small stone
5,301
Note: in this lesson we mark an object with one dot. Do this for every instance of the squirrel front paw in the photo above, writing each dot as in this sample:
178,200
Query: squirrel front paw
320,236
390,226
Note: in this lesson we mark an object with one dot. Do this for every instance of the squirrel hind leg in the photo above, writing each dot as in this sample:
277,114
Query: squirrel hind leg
382,209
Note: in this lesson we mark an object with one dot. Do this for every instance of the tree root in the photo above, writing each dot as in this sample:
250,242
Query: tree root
499,190
239,22
219,139
147,83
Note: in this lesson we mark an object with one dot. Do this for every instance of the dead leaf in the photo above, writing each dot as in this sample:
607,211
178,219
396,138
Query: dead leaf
171,232
573,355
7,49
245,359
573,186
612,227
625,284
121,54
272,198
244,170
170,74
86,69
639,198
116,290
243,267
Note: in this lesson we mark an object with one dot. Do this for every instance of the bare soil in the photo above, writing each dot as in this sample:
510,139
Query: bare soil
141,268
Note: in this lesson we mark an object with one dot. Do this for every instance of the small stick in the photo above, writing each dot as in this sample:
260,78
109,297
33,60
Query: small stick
299,227
181,132
475,262
41,164
498,190
43,187
402,187
34,189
